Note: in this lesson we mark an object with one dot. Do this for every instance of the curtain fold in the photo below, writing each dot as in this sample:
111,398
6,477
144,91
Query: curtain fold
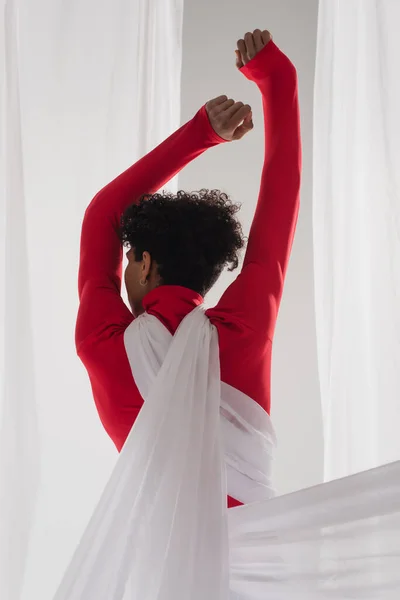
19,436
87,88
357,231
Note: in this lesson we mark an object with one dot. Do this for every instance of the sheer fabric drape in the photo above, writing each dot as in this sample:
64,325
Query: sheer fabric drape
357,231
87,87
161,530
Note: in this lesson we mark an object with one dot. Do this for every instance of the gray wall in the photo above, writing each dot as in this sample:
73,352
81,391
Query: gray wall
211,28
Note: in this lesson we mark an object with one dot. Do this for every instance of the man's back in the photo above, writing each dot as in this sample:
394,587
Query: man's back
245,316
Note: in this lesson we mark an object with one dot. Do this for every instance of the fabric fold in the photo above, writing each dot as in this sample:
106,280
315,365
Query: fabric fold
162,530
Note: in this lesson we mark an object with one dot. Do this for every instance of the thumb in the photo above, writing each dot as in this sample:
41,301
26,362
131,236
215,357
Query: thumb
239,62
244,128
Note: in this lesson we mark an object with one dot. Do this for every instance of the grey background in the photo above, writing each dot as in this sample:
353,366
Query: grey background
210,32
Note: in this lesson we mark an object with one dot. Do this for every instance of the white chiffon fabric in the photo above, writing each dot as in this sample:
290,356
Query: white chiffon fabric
357,231
19,434
80,89
161,530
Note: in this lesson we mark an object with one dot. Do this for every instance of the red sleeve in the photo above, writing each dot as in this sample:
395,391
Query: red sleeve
102,309
253,299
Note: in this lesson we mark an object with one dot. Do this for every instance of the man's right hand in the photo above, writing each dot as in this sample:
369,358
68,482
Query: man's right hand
230,120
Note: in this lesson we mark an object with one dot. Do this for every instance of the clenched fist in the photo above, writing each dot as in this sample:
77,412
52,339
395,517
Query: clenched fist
230,120
250,46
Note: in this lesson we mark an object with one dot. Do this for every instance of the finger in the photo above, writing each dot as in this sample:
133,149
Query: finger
258,41
244,128
266,37
217,105
251,50
216,101
233,109
239,62
224,106
239,116
243,51
248,120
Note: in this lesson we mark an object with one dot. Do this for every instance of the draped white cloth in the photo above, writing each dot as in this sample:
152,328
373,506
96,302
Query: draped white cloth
356,231
161,530
81,83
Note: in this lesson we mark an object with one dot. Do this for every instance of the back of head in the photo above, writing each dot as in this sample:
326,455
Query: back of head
191,236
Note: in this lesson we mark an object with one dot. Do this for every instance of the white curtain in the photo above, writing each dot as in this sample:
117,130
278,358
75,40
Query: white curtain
86,88
357,231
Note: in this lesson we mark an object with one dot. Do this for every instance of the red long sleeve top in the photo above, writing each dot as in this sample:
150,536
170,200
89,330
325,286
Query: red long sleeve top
246,314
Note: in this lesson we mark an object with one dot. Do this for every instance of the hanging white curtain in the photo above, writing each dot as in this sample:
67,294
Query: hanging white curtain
357,231
87,87
19,438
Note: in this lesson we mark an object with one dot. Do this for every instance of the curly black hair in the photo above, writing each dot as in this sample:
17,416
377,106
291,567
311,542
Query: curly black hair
192,236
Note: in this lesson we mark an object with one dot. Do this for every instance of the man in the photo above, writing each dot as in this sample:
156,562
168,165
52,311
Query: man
178,245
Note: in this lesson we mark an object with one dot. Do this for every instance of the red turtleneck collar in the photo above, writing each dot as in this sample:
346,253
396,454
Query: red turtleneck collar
171,303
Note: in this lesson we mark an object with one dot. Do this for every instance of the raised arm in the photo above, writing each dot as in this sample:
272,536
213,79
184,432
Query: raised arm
100,243
102,309
272,231
255,296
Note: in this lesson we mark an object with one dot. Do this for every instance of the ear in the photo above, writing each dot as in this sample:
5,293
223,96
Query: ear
146,265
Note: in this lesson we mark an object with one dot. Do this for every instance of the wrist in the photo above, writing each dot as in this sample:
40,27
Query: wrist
269,60
208,129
